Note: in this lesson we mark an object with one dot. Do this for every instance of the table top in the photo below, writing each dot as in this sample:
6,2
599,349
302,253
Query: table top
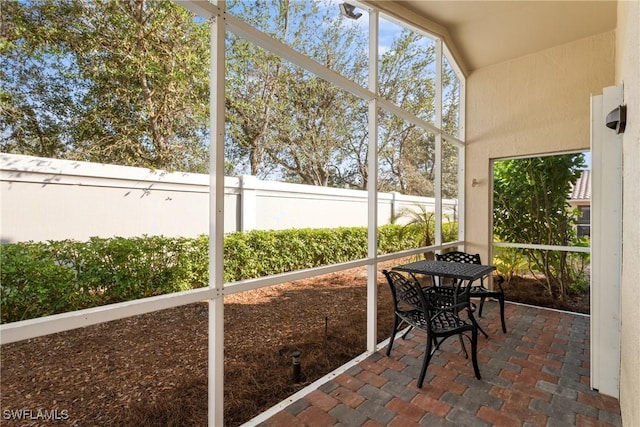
455,270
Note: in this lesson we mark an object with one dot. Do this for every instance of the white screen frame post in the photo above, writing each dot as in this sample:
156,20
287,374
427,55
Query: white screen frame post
606,244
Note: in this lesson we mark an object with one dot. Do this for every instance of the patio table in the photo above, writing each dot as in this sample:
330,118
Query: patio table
459,271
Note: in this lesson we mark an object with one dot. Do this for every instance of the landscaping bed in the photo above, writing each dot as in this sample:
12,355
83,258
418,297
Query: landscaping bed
528,290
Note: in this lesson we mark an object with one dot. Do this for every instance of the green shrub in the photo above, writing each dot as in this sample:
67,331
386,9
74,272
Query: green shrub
261,253
33,284
392,238
39,279
510,262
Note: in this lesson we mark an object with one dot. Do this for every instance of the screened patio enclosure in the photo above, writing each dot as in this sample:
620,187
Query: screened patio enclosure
503,110
437,138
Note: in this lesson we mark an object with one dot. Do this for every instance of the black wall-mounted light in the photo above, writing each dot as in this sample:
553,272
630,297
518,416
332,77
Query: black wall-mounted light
348,10
617,119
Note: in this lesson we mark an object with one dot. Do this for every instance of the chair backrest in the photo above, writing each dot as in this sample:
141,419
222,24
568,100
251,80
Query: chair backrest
405,291
457,256
408,295
447,298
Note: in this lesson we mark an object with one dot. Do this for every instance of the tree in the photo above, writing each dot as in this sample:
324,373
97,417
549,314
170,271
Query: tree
252,80
421,224
36,105
530,206
122,82
126,82
407,153
284,122
315,120
451,125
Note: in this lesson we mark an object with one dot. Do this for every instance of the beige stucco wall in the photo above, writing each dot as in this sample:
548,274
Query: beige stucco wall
535,104
628,73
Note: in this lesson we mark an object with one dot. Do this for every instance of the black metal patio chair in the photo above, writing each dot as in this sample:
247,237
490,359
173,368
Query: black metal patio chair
433,310
479,290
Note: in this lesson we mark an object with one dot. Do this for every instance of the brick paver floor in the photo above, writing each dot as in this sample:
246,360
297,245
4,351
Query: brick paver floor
537,374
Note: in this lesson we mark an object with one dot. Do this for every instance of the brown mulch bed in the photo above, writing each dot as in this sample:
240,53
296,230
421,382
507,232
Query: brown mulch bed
528,290
151,370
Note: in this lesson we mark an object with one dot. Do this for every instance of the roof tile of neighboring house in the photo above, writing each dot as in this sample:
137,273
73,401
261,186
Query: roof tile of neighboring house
582,189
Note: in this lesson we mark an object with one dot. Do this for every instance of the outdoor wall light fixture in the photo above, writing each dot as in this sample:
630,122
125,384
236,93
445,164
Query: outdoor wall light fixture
348,10
617,119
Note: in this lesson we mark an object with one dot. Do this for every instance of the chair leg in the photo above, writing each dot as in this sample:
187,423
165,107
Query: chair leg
466,355
425,362
481,306
474,352
504,326
396,322
475,323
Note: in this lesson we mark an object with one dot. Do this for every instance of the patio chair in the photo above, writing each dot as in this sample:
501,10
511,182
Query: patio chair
433,310
479,290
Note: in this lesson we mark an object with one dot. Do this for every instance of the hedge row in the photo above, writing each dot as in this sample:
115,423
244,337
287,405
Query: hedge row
39,279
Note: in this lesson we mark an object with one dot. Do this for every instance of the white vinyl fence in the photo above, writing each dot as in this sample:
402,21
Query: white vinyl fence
49,199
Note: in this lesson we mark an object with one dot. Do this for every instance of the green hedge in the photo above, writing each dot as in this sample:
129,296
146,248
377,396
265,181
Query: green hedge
39,279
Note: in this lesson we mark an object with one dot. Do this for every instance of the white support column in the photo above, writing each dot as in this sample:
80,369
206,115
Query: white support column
216,219
462,168
606,244
372,220
438,160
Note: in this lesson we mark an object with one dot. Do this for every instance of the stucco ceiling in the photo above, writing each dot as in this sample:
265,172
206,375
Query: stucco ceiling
489,32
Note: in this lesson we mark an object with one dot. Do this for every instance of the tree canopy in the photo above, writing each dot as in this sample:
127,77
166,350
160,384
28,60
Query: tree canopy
126,82
116,82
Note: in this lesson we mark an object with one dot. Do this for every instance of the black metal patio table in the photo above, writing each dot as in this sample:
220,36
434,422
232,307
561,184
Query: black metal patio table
464,274
454,270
